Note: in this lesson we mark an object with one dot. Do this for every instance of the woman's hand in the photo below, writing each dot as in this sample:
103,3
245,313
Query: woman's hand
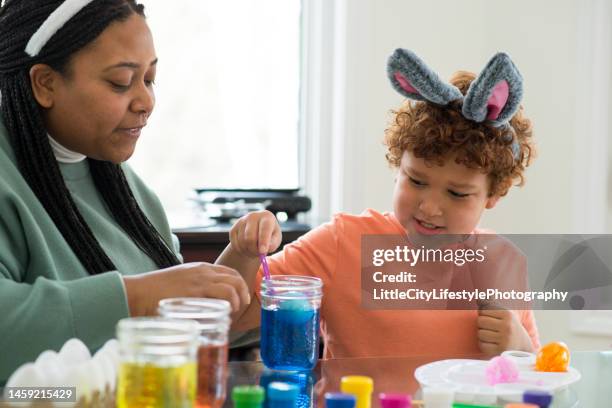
196,279
255,233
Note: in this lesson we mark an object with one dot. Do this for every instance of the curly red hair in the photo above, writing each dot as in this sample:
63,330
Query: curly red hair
435,133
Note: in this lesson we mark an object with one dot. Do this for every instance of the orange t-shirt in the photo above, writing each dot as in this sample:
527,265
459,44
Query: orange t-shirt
331,252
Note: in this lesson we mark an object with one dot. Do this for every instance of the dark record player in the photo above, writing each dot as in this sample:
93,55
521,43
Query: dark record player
225,205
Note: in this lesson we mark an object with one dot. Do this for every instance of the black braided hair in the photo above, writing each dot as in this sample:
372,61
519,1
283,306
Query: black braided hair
22,116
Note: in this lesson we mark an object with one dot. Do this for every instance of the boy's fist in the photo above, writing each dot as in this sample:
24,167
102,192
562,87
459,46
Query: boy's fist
256,233
500,330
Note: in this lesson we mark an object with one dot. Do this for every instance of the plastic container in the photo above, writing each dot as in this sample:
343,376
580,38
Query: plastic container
340,400
388,400
542,399
157,362
282,395
212,317
248,396
361,387
304,380
290,322
435,397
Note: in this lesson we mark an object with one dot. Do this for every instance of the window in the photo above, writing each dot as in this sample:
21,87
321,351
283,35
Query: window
227,92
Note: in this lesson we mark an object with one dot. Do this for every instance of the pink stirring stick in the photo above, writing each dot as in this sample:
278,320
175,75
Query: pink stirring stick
264,263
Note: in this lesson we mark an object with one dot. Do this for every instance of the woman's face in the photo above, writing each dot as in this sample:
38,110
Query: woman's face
102,103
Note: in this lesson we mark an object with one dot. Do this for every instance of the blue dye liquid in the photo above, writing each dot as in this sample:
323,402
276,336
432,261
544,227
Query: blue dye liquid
304,380
290,338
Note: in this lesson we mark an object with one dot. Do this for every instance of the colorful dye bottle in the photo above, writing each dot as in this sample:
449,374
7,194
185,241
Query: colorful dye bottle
542,399
339,400
282,395
158,362
248,396
212,317
290,322
361,387
304,380
388,400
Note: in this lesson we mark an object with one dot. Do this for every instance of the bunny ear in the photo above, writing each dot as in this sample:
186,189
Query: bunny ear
496,94
413,79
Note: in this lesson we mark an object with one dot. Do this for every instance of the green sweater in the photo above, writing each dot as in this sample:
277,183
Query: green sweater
46,295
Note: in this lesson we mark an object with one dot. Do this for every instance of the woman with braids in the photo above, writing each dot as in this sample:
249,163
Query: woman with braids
83,242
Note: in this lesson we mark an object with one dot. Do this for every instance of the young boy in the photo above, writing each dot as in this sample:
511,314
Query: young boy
457,151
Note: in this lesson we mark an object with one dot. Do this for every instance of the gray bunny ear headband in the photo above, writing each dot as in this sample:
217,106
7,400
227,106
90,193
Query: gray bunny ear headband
494,96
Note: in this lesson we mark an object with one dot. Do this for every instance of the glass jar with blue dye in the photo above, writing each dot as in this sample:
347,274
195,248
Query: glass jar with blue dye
290,322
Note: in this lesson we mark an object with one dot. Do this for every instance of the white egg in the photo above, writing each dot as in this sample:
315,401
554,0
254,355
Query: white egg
81,376
112,344
47,355
111,349
28,375
52,367
74,352
96,375
104,361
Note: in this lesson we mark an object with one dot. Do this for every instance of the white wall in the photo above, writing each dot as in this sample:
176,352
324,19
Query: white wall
561,48
542,38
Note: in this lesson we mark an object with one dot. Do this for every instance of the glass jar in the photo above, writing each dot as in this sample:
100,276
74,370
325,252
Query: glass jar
290,322
213,320
157,362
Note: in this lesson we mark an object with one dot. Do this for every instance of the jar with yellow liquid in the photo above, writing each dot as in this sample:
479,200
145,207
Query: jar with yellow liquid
158,362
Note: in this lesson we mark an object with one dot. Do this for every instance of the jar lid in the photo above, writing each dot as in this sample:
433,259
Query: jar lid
339,400
209,313
280,391
356,384
292,287
250,394
157,335
538,397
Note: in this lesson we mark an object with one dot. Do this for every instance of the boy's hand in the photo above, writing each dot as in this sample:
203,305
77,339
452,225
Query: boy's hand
500,330
255,233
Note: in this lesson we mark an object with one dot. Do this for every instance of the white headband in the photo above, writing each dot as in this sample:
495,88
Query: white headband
54,22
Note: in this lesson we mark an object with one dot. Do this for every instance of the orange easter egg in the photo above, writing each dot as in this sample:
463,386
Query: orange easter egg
553,357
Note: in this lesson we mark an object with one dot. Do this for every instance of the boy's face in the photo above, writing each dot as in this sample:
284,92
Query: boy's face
430,199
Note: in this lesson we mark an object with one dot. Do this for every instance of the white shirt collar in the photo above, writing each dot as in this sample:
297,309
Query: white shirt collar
64,155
